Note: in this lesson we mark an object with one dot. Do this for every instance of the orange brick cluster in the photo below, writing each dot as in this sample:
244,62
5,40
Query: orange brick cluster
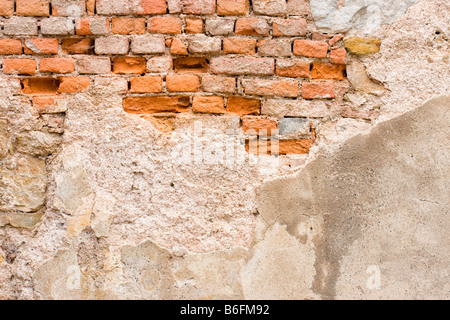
215,57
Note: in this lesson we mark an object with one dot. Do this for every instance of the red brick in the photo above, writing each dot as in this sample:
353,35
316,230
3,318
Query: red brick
49,104
182,83
10,46
208,104
258,126
262,87
177,46
244,106
73,84
318,90
33,8
156,104
190,64
57,65
194,25
169,25
252,27
335,39
233,7
20,66
77,46
6,8
147,84
279,147
129,65
338,56
122,25
308,48
239,45
293,68
321,70
41,46
41,86
150,7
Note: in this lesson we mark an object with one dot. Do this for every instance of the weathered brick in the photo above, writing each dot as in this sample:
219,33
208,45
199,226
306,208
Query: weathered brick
169,25
156,104
243,106
298,7
218,84
174,6
335,40
239,45
111,45
159,65
318,90
20,26
321,70
309,48
109,85
129,65
275,48
252,27
204,44
258,126
19,66
57,65
57,26
190,64
147,84
219,27
92,26
77,46
90,7
177,46
68,8
6,8
289,27
148,44
294,127
73,84
262,87
199,6
281,108
243,66
113,7
293,68
10,46
208,104
41,46
270,7
338,56
233,7
279,147
33,8
93,65
49,104
194,25
182,83
122,25
41,86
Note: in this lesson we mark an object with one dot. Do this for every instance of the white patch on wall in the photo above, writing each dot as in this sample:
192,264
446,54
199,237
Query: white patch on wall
366,15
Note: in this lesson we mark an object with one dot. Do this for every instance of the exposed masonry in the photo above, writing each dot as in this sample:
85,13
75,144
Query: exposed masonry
175,57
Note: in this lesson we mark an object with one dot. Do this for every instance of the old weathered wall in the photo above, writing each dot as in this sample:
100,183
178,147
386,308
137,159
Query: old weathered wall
133,161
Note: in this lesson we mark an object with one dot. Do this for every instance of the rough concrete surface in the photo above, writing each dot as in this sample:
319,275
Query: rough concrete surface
108,206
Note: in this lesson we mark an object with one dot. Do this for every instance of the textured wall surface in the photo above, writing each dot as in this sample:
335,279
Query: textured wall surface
274,149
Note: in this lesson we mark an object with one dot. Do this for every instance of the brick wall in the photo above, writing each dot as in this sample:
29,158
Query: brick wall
169,58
